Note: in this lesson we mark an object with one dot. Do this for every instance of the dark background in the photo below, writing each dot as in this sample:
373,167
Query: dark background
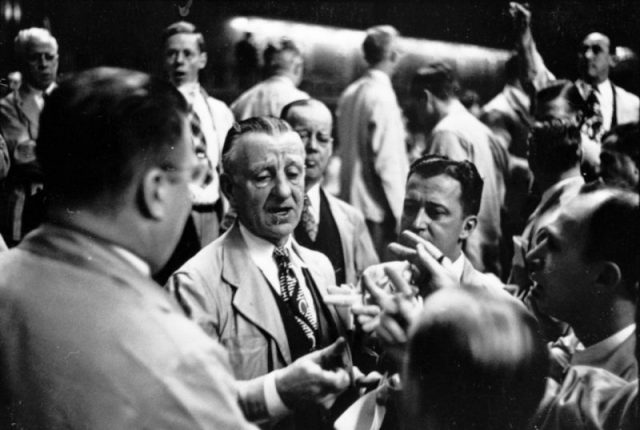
126,32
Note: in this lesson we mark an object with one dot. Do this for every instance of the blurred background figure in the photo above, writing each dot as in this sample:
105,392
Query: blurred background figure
620,156
471,100
21,207
371,138
284,66
474,362
15,80
247,62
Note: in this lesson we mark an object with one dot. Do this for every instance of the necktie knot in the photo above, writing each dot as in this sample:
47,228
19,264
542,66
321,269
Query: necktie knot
281,255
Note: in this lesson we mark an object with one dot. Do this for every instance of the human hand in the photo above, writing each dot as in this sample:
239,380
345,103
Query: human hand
316,378
521,15
345,295
431,269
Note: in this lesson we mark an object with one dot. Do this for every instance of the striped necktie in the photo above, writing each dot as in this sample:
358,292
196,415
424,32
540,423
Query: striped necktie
293,296
308,220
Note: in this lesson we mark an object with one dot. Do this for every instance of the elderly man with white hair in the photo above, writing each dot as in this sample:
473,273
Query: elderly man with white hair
37,53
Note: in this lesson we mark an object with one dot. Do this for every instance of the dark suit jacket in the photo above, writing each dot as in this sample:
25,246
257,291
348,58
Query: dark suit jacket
88,341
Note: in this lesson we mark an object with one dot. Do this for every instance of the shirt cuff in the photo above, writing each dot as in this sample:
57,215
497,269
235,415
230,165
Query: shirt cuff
275,405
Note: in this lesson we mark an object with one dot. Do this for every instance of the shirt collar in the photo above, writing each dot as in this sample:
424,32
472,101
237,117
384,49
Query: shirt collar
261,250
138,263
379,75
601,349
457,267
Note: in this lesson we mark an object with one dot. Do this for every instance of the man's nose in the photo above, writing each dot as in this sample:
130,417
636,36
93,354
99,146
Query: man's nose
421,221
282,186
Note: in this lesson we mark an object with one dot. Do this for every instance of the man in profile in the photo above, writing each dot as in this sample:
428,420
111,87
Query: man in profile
20,199
371,140
284,66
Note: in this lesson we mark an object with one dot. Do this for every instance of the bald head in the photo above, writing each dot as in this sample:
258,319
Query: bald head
312,120
594,58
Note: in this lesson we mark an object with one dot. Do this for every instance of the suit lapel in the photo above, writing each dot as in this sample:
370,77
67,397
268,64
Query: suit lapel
345,229
253,298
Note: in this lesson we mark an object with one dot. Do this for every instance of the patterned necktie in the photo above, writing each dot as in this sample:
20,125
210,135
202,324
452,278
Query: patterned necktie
308,221
293,296
594,121
200,145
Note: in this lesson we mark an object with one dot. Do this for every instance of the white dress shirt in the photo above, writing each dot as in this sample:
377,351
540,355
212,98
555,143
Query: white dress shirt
314,202
599,351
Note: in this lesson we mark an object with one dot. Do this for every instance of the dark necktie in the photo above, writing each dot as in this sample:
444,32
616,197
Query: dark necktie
308,220
293,296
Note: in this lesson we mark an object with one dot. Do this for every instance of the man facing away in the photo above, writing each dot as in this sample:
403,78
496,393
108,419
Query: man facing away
20,198
326,220
284,66
255,289
87,339
371,140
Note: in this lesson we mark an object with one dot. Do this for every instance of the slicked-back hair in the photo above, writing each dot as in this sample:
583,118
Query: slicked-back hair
554,145
614,232
102,127
286,111
464,172
378,43
183,27
30,35
438,78
477,350
566,90
281,56
269,125
624,138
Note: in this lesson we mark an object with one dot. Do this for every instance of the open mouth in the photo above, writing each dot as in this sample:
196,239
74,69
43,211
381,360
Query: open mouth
310,164
280,211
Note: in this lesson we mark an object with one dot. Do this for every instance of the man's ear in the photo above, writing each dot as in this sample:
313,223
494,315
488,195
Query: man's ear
609,276
153,194
202,60
227,188
468,226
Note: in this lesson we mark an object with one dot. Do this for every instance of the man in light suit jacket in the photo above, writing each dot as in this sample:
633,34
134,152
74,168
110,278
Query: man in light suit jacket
371,140
20,195
327,220
87,339
255,289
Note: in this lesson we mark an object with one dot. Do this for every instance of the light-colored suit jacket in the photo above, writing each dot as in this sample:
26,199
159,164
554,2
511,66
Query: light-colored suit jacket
357,247
229,297
372,148
89,341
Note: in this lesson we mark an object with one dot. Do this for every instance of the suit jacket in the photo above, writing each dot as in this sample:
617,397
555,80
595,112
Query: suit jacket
88,341
372,148
357,247
229,297
588,398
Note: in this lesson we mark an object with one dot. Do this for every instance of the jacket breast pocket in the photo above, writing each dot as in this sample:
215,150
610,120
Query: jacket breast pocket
248,355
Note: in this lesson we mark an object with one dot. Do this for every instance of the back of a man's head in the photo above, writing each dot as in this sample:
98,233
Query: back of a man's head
282,57
475,361
625,139
614,233
465,172
439,79
102,128
379,43
554,147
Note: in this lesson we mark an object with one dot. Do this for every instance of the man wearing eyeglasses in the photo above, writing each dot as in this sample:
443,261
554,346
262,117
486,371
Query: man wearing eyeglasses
327,220
37,52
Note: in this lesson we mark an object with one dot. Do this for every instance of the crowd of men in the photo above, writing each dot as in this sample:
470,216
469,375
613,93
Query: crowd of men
176,263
